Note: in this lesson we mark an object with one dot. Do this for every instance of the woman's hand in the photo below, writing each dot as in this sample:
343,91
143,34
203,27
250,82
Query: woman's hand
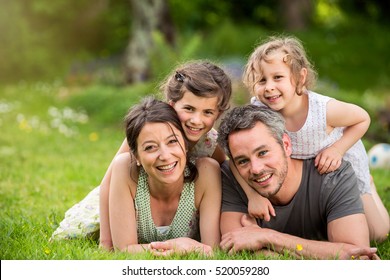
179,246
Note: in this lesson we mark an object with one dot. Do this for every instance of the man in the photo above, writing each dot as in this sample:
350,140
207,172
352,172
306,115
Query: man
317,216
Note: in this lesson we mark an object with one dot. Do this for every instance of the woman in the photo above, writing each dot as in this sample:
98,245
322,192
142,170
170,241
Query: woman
157,194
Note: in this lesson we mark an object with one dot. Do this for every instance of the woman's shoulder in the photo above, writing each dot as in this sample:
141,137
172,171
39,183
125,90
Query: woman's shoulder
204,163
208,171
124,162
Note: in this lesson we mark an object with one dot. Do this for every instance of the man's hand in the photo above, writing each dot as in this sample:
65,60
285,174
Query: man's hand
246,238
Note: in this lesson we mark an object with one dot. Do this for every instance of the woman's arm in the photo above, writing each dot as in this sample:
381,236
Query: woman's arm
105,234
122,220
208,195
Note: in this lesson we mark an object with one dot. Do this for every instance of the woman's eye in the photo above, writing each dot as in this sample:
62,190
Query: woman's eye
173,141
150,148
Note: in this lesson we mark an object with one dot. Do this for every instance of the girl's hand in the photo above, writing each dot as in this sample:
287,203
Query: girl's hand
328,160
260,207
179,246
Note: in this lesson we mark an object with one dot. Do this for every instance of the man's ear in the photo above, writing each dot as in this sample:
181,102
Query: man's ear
287,144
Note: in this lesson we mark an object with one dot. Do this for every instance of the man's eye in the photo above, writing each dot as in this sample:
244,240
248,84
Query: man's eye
242,161
262,153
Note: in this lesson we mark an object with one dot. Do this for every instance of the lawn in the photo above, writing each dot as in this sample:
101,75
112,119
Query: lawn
56,142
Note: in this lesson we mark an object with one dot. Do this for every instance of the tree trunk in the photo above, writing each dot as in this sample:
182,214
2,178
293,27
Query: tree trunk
148,16
296,13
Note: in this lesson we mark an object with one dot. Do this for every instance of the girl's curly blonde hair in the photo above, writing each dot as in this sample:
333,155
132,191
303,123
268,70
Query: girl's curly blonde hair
295,57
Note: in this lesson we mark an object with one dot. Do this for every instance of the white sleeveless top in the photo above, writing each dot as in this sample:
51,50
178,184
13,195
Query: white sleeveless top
313,138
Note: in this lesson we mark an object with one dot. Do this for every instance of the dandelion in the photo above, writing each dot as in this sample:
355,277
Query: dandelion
47,251
93,137
299,247
352,257
24,125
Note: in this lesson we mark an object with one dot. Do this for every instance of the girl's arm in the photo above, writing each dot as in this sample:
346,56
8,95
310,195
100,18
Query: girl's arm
105,234
356,122
219,155
258,206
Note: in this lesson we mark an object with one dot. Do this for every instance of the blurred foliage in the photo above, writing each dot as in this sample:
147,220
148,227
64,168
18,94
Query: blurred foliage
44,39
40,39
108,104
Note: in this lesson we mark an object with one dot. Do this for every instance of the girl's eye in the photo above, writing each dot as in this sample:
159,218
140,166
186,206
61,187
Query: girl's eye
261,81
278,77
209,113
190,109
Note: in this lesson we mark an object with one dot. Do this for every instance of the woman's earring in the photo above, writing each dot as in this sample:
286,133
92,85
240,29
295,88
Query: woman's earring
138,164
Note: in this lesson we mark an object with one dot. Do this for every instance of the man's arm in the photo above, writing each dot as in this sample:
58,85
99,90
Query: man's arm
230,221
342,244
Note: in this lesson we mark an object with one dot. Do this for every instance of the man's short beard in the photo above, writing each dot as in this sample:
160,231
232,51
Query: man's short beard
281,175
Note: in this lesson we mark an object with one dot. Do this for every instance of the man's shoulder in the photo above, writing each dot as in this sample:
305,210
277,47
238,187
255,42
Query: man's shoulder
343,178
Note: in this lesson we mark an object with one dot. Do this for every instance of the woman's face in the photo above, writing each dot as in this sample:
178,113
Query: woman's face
197,114
161,152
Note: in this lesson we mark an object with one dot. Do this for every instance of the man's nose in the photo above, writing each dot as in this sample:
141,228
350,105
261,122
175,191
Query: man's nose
256,166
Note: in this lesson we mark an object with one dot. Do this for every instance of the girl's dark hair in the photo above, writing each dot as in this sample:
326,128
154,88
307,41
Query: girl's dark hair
151,110
202,78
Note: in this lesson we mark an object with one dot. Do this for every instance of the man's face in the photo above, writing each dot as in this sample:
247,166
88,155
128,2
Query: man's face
259,159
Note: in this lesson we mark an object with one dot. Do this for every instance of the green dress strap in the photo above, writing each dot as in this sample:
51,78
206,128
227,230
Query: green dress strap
185,222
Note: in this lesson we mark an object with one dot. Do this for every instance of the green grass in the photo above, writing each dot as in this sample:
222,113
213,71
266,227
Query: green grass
46,169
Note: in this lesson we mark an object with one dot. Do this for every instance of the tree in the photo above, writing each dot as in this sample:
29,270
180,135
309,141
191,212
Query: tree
148,16
296,13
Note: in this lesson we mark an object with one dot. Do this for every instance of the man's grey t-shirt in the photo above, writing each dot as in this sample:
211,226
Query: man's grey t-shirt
319,200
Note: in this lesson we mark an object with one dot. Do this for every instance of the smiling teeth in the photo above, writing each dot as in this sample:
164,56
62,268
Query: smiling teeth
273,97
262,179
194,129
167,167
